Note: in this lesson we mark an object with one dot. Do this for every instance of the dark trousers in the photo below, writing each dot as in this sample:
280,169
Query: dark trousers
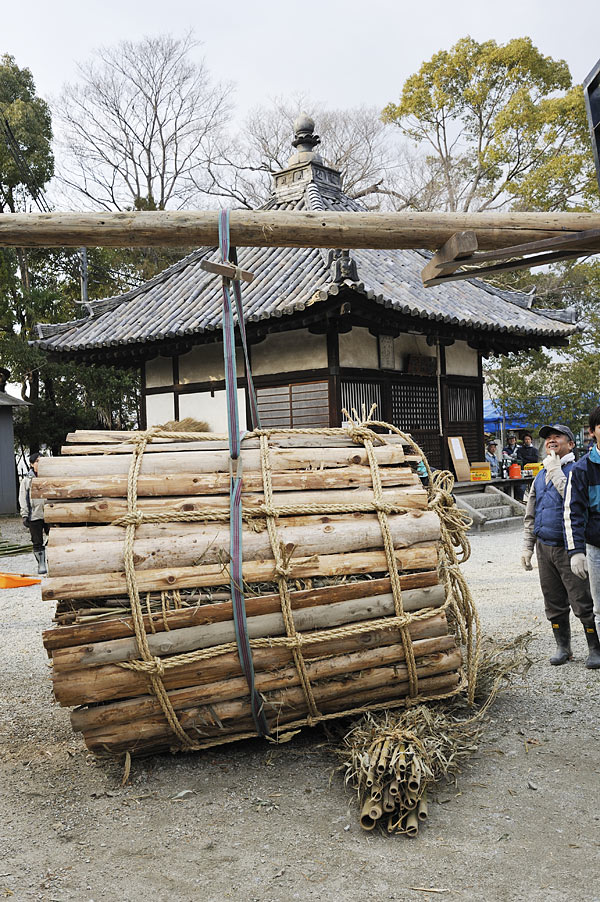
37,528
561,589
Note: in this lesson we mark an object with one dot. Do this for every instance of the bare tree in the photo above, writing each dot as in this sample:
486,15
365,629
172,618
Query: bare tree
355,141
139,125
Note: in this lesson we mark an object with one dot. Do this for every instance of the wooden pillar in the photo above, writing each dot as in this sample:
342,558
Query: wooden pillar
333,367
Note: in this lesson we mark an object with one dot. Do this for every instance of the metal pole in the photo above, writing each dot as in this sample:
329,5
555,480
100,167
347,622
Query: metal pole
83,271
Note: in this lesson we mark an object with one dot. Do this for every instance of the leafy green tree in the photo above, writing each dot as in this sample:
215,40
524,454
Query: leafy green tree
501,125
43,286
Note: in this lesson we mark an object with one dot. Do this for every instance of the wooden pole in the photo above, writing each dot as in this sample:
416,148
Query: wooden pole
110,681
269,228
416,557
173,642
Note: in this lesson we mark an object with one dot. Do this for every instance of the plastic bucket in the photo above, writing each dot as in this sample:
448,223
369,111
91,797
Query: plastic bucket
514,471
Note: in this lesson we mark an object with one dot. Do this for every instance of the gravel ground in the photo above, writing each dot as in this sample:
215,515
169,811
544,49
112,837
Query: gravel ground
261,822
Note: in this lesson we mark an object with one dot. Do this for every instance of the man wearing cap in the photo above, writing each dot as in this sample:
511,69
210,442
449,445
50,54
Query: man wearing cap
544,532
32,512
490,456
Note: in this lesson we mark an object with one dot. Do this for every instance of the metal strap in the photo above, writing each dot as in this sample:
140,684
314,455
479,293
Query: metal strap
235,486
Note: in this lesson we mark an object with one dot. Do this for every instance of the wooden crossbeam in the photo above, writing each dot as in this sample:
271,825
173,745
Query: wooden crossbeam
520,256
282,228
228,270
450,256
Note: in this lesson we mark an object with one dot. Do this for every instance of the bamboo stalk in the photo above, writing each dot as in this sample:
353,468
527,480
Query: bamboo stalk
81,634
178,484
206,636
422,556
110,682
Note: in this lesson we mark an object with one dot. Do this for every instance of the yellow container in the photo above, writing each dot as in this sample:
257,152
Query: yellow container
534,469
480,472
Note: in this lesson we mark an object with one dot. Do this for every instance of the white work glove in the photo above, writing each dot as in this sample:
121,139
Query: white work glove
579,565
526,560
551,462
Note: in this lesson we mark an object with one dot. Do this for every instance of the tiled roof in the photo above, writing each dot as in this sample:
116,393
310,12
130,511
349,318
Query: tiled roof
185,301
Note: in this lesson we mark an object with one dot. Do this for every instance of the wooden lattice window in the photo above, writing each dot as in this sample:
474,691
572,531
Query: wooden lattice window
463,419
462,404
415,410
294,406
415,407
356,395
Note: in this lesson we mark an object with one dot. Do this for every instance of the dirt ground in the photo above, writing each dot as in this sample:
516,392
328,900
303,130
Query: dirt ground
254,821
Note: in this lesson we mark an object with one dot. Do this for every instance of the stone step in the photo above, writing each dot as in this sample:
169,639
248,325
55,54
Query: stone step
502,523
500,512
481,500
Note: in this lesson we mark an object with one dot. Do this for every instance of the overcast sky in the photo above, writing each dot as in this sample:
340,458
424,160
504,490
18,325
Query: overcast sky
343,53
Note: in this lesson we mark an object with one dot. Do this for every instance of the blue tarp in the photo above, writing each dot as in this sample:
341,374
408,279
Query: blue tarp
492,419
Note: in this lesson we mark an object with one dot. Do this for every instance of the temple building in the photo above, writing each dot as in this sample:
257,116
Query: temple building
328,330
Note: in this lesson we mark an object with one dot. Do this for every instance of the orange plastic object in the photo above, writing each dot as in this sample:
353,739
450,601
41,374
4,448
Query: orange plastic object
14,580
514,471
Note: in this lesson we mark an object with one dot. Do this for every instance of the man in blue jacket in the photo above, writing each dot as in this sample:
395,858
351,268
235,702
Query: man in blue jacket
582,521
543,529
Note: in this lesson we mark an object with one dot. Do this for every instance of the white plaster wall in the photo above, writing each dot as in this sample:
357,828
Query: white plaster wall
159,372
283,352
359,348
204,363
159,409
461,360
407,344
211,408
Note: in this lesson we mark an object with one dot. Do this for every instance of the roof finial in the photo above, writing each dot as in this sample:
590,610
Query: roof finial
305,139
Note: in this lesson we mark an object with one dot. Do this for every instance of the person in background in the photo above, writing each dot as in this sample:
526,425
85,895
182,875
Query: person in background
510,449
490,456
582,525
32,512
526,452
544,531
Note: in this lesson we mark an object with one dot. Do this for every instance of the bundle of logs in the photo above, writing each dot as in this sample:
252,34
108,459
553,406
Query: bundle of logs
368,625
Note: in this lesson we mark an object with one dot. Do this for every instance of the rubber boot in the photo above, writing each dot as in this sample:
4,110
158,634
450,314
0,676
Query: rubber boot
562,633
40,557
593,659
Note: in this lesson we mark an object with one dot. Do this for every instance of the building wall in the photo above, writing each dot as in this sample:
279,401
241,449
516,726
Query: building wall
205,363
159,372
8,479
358,348
211,407
160,409
286,352
461,360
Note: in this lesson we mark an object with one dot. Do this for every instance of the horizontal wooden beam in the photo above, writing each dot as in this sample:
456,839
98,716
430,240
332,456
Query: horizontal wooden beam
273,228
227,270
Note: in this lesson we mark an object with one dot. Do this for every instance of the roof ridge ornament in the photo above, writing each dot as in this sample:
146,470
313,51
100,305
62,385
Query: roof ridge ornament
304,137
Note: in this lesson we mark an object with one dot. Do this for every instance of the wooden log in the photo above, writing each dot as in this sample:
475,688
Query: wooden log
173,642
99,486
101,442
110,681
287,704
219,461
422,556
211,545
124,712
108,509
279,228
201,614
